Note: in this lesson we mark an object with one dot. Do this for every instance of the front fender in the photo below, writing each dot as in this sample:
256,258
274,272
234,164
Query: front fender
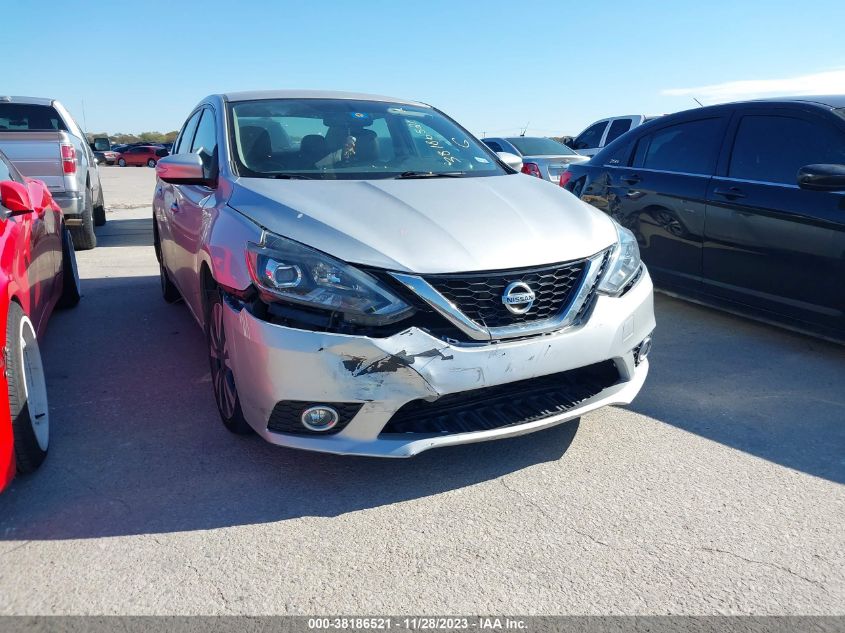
224,250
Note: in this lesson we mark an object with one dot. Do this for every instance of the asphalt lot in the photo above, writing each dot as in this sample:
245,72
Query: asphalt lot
720,490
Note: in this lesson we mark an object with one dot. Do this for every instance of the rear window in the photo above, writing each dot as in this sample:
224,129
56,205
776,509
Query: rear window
23,117
539,146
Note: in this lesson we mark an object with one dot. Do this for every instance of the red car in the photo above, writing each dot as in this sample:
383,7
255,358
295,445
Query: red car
141,155
37,273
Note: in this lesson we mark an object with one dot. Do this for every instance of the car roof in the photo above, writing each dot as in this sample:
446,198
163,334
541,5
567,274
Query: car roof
255,95
26,100
834,101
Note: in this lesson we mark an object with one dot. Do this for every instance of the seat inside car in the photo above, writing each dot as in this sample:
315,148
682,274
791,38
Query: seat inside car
256,147
366,146
311,149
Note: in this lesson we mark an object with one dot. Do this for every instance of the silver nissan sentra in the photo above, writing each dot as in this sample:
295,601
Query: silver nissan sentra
373,280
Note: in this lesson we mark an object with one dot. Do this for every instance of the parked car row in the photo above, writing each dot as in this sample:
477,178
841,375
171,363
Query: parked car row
740,206
541,157
44,142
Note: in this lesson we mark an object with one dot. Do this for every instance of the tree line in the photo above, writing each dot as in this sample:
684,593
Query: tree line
143,137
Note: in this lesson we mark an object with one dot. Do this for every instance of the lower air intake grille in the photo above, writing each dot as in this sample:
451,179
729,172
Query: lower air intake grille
504,405
286,416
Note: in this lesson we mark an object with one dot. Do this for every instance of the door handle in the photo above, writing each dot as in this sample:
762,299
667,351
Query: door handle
732,193
174,207
633,179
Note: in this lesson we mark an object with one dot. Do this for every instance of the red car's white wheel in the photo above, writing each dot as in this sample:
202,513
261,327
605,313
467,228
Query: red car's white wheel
27,391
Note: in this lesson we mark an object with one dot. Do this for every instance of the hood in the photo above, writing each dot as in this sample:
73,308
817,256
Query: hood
437,225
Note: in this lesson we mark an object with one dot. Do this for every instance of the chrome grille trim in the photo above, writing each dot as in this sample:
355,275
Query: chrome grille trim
477,332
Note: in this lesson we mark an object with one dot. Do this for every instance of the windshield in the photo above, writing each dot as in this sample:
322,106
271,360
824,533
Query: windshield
24,117
539,146
346,139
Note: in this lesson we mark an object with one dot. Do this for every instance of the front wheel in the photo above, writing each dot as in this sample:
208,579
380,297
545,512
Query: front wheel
222,375
121,162
151,163
27,391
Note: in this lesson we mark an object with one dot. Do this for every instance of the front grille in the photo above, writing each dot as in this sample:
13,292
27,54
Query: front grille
286,415
504,405
479,295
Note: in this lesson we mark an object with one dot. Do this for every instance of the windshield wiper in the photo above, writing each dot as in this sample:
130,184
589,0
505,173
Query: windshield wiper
281,176
431,174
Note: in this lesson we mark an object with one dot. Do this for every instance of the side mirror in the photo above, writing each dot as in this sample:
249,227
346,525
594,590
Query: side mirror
15,197
183,169
822,177
511,160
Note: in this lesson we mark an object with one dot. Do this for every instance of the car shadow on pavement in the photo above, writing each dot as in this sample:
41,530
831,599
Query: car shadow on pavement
137,445
125,232
757,388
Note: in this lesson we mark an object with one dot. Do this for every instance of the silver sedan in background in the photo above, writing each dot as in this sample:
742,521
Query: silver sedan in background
541,156
374,280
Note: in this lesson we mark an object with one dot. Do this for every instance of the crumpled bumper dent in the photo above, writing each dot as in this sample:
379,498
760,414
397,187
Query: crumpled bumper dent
274,363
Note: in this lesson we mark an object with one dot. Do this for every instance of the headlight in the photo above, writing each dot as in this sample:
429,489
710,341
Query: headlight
284,269
624,263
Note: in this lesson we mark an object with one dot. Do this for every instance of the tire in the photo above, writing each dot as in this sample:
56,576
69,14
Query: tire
168,289
577,188
121,162
71,287
84,237
151,163
27,392
100,210
222,376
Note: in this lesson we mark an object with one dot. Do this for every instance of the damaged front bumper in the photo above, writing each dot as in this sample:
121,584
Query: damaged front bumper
375,377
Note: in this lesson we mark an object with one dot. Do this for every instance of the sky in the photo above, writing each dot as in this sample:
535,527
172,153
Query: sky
496,67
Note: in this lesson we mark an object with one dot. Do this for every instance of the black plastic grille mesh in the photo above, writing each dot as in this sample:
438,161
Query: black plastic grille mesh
504,405
479,295
286,415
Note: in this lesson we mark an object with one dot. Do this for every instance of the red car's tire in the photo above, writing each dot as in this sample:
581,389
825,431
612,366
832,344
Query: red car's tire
121,162
151,163
27,391
71,288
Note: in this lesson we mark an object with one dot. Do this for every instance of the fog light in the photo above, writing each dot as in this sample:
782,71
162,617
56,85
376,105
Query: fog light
319,418
642,350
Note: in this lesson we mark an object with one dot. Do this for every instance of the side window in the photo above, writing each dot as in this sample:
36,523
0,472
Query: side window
494,146
205,142
774,148
183,143
591,137
617,129
206,136
689,147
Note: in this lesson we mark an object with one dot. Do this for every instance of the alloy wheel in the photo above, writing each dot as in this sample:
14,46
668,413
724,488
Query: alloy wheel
222,376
